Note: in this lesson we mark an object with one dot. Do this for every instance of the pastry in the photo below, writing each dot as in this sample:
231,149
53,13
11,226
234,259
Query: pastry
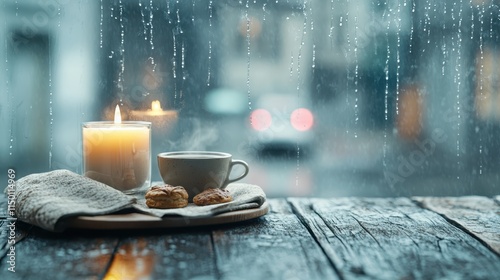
212,196
166,196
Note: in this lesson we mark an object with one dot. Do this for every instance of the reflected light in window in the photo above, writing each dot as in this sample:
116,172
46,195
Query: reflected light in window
302,119
260,119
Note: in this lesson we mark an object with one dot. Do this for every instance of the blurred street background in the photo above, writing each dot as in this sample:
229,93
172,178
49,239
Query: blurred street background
321,98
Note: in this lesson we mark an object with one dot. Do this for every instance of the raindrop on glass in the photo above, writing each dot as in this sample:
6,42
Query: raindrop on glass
313,56
51,118
122,51
247,18
174,59
100,25
209,70
151,24
144,24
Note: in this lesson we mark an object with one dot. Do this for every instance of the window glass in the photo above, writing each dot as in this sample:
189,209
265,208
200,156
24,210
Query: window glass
321,98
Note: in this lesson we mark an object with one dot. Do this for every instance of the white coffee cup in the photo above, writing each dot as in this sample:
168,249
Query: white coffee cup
198,170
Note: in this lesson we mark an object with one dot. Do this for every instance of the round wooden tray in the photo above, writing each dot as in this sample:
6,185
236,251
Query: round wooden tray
137,220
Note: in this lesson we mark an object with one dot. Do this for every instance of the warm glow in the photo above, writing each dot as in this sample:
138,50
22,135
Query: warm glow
132,261
155,106
260,119
302,119
118,116
251,26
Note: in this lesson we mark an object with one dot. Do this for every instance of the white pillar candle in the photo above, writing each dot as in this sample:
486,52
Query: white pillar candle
118,153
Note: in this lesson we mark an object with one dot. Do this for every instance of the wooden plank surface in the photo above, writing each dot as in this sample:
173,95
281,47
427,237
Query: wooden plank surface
46,255
164,254
478,215
393,239
277,246
345,238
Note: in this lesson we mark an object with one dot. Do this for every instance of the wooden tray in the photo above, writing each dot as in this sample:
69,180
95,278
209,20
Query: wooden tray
137,220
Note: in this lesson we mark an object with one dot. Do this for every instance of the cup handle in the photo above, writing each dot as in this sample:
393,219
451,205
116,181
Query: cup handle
233,163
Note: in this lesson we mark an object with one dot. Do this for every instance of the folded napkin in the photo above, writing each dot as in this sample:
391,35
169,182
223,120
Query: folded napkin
48,199
45,199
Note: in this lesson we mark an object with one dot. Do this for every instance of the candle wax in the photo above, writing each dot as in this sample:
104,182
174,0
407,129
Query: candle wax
117,155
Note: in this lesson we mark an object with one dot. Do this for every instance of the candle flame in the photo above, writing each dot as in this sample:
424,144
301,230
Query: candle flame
118,116
155,106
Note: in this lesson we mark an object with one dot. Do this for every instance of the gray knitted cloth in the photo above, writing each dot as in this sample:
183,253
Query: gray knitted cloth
48,199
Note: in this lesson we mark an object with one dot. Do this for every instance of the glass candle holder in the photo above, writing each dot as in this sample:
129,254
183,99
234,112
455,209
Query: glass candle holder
118,154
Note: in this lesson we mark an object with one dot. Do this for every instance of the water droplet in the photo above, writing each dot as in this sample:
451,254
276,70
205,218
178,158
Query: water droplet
182,55
122,51
100,25
151,25
144,24
209,71
51,118
314,56
174,60
247,18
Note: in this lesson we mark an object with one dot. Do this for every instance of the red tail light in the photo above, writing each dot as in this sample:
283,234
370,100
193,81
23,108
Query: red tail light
260,119
302,119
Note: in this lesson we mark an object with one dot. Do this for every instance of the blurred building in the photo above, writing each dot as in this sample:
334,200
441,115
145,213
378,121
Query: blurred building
47,83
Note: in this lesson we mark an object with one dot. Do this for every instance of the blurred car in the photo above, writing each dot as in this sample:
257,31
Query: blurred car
280,123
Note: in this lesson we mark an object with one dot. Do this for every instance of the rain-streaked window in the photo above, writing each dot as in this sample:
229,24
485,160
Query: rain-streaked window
320,97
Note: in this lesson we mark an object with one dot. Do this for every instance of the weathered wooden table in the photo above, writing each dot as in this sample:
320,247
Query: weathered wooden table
300,238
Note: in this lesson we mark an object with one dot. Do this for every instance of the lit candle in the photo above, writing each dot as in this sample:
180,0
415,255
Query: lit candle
162,120
156,107
118,153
